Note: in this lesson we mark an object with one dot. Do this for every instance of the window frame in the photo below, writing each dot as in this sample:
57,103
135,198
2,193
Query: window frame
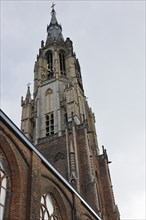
4,188
53,213
49,121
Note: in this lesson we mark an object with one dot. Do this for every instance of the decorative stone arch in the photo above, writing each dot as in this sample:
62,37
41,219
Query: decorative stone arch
49,91
5,185
62,200
62,51
47,52
49,56
15,182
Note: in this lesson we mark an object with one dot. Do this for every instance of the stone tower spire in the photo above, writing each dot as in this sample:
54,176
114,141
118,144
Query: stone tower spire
54,30
28,94
59,121
26,124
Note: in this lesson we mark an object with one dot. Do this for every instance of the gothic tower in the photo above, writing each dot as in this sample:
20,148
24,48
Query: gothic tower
60,123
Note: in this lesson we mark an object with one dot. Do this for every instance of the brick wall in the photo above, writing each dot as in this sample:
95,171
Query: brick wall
30,179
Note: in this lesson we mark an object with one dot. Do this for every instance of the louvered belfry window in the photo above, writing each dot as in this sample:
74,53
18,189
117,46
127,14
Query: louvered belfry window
50,61
62,63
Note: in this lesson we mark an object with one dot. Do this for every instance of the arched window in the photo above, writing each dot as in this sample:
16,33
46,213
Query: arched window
3,190
49,100
49,116
50,60
62,63
49,209
49,56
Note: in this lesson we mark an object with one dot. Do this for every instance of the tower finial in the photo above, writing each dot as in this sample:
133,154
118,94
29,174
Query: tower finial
54,29
52,6
28,94
28,84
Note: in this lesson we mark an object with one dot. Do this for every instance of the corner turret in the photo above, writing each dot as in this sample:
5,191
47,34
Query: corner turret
27,119
28,94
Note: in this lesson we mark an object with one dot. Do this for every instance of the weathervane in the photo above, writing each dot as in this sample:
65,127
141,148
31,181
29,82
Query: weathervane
28,84
52,6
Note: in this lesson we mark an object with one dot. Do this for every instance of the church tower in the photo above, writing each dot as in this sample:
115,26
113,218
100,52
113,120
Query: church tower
58,120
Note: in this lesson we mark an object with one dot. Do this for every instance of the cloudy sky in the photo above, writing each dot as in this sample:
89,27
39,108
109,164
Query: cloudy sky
109,41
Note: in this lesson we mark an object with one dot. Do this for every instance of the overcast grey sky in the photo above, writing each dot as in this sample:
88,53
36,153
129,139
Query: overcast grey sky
109,41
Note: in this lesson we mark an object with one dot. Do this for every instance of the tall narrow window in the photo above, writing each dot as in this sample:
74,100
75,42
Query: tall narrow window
49,209
49,124
50,64
3,191
50,60
62,63
49,100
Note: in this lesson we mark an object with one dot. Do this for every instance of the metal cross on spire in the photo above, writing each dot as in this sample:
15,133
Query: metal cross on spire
52,6
28,84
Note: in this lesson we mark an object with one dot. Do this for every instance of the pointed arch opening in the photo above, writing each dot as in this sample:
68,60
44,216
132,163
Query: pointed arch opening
15,182
3,189
62,62
49,208
49,57
49,116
